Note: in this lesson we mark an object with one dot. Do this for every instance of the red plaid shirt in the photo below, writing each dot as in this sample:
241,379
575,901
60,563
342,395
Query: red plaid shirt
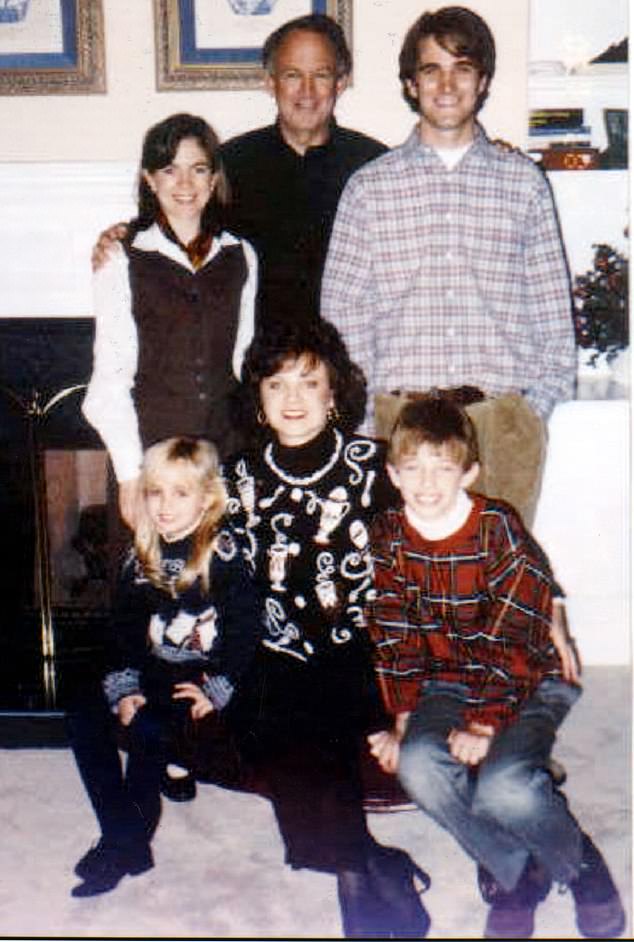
473,609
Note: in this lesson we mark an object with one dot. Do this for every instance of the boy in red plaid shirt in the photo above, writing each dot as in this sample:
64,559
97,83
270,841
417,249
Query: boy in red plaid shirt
465,661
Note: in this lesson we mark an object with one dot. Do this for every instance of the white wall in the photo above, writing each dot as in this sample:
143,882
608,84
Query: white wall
571,31
110,126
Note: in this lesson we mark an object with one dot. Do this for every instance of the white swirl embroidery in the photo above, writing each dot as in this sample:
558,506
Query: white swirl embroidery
355,452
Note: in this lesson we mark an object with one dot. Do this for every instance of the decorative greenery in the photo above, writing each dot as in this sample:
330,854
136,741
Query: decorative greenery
601,315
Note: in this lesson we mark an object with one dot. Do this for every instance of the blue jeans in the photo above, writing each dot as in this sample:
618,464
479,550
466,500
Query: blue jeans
508,807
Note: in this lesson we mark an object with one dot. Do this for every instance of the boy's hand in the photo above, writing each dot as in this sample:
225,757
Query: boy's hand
471,745
107,243
128,707
201,705
385,745
565,645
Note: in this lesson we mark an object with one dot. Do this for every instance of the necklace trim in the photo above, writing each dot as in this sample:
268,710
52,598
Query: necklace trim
310,478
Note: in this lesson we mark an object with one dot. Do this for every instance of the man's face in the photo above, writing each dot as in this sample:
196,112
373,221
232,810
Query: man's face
305,86
447,89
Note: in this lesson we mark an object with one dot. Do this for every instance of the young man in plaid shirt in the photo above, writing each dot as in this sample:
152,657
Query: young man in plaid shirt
461,622
446,268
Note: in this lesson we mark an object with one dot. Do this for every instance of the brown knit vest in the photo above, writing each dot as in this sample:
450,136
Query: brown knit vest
187,325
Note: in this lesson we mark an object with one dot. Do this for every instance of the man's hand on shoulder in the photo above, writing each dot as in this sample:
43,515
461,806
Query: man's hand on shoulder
107,244
504,147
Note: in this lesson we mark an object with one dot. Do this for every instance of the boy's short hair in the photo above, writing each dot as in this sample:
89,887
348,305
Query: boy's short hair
437,419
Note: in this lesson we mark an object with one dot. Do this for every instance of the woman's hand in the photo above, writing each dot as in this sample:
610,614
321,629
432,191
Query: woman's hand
201,705
470,745
107,243
130,501
385,745
129,706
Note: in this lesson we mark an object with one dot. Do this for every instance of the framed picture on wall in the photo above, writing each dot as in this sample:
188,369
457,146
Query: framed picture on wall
51,47
213,44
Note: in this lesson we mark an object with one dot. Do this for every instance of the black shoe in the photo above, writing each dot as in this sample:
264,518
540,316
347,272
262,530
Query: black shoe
398,882
599,911
85,863
178,788
361,916
107,866
512,913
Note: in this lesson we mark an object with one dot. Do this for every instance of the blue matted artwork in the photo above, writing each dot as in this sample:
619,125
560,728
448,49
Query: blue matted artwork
66,59
192,54
51,48
217,43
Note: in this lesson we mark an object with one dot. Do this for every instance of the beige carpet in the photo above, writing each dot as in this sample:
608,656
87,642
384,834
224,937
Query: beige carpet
219,869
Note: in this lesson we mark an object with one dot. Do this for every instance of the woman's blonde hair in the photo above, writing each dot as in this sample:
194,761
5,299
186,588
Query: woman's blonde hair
199,460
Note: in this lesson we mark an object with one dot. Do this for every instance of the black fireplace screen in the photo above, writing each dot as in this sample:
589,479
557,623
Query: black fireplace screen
52,509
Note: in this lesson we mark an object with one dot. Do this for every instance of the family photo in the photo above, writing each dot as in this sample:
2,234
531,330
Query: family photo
315,479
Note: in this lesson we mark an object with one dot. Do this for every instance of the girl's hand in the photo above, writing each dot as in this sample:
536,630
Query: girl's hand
470,746
385,745
201,705
129,706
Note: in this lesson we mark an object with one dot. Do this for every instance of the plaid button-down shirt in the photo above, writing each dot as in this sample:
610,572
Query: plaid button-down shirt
472,609
440,277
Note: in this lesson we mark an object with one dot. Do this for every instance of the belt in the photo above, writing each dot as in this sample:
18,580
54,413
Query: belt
461,395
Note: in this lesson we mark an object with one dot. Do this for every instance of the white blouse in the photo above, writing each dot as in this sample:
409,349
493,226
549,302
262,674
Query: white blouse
108,404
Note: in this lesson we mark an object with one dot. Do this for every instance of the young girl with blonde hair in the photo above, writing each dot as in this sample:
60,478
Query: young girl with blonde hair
183,631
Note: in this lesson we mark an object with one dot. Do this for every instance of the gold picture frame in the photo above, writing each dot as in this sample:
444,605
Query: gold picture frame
59,54
184,61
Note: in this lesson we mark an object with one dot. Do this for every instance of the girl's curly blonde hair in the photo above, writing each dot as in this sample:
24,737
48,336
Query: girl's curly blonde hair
199,461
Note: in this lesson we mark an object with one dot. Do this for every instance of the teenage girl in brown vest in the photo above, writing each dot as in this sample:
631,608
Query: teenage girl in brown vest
174,308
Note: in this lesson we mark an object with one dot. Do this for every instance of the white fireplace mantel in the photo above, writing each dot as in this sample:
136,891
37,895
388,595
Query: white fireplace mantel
51,215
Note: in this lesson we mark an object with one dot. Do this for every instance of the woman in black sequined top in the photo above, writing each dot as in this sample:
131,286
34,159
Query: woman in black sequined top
303,499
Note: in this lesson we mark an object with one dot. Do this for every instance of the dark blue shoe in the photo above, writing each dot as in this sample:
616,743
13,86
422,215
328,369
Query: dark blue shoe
598,904
512,912
105,865
85,863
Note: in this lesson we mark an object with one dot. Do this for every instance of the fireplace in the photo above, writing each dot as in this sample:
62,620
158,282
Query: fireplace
53,507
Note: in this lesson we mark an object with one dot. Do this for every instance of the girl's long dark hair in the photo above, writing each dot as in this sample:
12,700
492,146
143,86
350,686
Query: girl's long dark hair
160,145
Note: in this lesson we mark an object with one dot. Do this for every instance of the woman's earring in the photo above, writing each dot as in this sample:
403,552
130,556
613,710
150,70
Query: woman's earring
333,415
261,418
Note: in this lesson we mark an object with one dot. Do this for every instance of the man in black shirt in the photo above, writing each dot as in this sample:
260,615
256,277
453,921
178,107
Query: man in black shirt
286,179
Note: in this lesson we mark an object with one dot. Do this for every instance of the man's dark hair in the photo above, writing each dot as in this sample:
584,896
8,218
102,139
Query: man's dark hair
312,23
318,341
460,32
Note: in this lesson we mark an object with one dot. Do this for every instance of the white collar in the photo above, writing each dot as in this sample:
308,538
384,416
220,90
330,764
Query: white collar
447,525
155,240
